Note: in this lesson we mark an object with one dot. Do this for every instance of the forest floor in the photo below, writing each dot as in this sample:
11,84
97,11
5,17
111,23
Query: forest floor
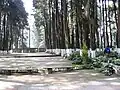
76,80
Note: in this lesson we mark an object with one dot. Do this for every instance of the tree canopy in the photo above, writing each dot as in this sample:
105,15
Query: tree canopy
13,20
70,23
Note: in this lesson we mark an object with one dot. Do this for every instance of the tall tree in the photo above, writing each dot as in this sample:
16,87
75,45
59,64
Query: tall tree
13,18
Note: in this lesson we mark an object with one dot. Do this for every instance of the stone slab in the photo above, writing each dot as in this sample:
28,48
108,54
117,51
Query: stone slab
33,63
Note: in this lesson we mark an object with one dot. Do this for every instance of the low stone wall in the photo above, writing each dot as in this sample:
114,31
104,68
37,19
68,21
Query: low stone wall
67,52
31,50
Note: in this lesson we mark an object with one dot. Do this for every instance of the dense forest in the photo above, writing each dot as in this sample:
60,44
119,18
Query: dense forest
13,21
70,23
66,23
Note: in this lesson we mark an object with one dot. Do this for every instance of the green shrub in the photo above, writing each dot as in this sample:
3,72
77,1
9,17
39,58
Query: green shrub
100,53
116,62
107,69
76,58
73,55
87,66
112,54
103,59
97,63
85,54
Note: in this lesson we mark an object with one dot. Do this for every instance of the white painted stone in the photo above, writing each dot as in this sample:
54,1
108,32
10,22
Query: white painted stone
63,52
110,49
53,50
101,49
72,50
1,52
58,51
10,51
97,49
89,53
78,50
69,51
22,51
115,49
50,50
93,53
118,50
46,50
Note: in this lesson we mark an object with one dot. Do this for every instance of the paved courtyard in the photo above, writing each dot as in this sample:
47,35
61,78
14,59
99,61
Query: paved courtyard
25,61
33,62
77,80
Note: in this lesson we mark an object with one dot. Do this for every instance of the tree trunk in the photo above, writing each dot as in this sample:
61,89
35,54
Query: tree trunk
63,46
103,24
65,21
77,31
118,30
49,23
71,24
107,36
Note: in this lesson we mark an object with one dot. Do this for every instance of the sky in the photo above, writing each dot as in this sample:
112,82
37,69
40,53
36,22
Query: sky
29,9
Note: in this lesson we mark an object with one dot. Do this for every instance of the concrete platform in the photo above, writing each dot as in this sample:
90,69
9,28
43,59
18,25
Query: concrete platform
20,55
42,63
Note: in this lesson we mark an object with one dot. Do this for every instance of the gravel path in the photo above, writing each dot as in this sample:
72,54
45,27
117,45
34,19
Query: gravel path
77,80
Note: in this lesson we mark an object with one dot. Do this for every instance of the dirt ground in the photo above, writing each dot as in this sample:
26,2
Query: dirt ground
76,80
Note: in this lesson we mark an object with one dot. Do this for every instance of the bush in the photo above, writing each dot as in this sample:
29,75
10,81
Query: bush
112,54
100,53
116,62
103,59
97,63
87,66
85,54
107,69
103,64
76,58
73,55
84,61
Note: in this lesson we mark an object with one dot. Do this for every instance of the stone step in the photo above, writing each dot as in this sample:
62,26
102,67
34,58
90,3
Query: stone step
41,71
33,63
18,56
22,55
20,60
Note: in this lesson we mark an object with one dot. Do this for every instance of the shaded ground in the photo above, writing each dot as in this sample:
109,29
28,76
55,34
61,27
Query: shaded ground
31,61
77,80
